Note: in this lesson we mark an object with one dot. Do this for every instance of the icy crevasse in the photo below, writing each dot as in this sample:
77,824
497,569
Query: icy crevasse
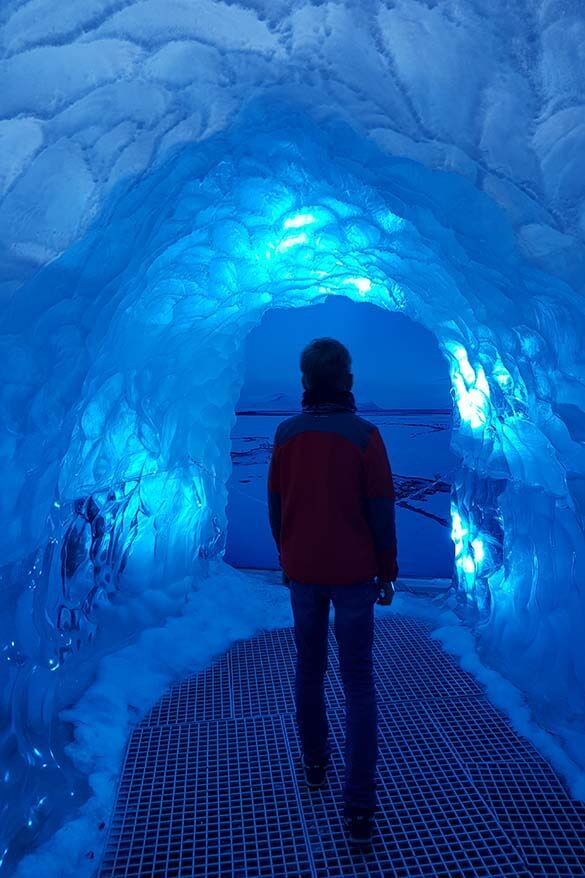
190,169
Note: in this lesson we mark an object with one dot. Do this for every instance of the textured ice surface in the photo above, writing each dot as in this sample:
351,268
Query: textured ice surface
101,90
166,176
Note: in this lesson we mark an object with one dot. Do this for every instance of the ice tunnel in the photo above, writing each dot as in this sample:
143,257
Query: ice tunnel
135,261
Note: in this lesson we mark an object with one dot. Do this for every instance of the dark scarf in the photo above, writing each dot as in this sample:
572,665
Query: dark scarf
323,402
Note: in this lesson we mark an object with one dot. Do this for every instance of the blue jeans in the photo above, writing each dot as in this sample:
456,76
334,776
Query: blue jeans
354,631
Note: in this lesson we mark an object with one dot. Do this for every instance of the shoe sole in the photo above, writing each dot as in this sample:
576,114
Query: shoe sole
360,842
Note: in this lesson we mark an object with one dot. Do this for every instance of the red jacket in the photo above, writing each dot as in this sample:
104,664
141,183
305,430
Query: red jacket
331,499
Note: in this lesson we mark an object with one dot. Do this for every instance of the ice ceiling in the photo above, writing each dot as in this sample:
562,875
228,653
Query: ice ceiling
171,170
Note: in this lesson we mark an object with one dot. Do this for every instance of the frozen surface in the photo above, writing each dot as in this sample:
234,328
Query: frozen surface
168,176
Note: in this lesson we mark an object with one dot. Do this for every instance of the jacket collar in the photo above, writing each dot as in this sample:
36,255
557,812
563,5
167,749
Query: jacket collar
317,402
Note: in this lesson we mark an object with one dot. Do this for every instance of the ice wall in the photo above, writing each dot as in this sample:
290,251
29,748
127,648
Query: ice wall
103,89
166,219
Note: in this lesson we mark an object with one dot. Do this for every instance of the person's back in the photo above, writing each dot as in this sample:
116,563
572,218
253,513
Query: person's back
331,502
331,492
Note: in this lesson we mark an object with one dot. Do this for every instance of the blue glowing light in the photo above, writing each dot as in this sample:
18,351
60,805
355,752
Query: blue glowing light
467,564
471,388
293,241
470,553
458,531
362,284
465,367
502,375
300,220
478,550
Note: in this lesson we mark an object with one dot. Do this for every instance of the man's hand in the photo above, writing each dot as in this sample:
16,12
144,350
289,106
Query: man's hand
386,593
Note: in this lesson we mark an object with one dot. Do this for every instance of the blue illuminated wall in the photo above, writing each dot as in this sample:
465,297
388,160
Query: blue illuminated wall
126,358
129,358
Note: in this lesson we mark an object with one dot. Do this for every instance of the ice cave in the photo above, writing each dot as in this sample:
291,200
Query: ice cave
173,174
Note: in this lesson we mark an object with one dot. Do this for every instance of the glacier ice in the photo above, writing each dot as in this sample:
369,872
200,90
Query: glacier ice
165,178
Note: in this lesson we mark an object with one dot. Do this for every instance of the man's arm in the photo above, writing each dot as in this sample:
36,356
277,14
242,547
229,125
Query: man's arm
380,506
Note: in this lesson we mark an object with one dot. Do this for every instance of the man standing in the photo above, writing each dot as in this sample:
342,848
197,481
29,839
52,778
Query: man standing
331,502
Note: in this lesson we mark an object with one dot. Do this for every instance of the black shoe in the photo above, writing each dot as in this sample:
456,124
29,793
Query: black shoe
360,827
315,774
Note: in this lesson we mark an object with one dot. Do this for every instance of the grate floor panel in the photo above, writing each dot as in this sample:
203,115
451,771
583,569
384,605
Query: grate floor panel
533,808
211,785
213,798
432,820
477,732
206,695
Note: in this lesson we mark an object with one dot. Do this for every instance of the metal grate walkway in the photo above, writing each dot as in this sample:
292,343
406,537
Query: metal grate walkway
211,784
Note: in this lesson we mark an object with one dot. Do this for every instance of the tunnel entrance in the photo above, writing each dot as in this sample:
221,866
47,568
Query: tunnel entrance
401,384
273,214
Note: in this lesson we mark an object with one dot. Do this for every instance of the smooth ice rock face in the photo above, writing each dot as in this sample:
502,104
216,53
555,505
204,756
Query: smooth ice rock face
178,218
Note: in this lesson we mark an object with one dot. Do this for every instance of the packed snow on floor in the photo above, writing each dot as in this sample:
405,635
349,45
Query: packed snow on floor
223,607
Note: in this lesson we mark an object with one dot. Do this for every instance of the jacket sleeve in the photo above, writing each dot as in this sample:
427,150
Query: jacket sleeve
274,496
380,506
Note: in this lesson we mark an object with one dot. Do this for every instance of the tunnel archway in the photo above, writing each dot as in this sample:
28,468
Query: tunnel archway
273,213
127,353
401,384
